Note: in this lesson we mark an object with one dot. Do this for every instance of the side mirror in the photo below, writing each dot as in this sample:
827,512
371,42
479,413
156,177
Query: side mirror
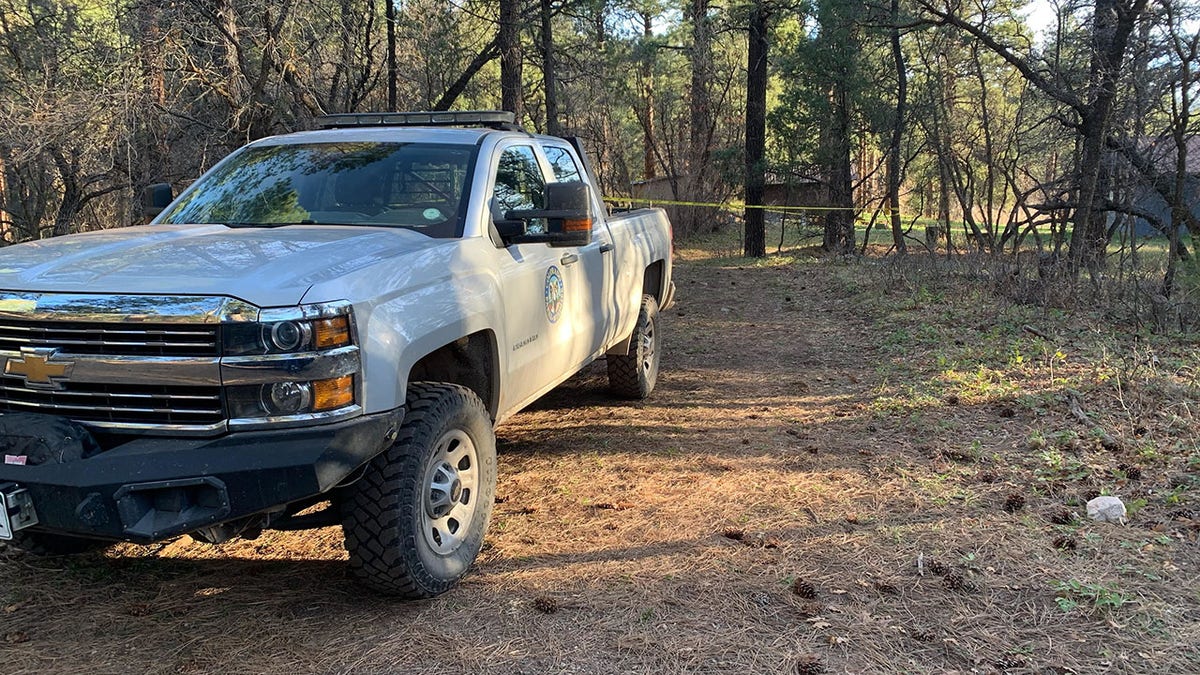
568,215
507,229
155,198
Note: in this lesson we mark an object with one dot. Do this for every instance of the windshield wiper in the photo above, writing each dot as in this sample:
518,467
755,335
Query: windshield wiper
267,225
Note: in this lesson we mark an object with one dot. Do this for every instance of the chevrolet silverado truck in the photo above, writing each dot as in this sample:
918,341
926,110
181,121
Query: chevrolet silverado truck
323,329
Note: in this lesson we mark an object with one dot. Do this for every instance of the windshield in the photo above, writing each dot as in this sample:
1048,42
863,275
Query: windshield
420,186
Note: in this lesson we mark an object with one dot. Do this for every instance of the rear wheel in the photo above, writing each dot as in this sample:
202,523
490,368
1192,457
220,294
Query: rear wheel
635,374
415,522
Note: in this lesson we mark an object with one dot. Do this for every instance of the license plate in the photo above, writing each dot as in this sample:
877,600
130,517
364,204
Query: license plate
16,512
6,530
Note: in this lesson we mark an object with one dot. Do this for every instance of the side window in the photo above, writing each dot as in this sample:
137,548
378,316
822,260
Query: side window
519,180
565,170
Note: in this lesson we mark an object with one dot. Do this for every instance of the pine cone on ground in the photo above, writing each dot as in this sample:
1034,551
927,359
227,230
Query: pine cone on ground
545,604
809,665
1131,472
955,582
1014,502
804,589
1065,543
1062,517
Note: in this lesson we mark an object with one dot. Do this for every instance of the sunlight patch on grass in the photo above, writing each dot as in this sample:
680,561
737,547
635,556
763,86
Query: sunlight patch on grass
980,385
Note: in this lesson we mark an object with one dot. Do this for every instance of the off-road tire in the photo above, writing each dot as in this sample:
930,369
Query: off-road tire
46,545
635,374
386,516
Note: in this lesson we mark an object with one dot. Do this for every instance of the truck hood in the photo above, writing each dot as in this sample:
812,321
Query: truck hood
269,267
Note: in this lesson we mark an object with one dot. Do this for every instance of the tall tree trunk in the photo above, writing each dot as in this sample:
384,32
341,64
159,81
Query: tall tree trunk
649,141
700,110
390,19
549,76
1179,214
6,233
986,238
599,20
150,50
509,42
839,223
335,101
938,116
226,16
1114,21
151,156
72,194
893,163
756,131
235,91
700,103
944,205
1186,50
838,37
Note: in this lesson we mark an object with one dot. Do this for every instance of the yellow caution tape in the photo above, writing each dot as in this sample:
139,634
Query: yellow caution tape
729,206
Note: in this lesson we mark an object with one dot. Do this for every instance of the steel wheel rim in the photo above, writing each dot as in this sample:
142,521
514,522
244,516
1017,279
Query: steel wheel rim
649,347
450,492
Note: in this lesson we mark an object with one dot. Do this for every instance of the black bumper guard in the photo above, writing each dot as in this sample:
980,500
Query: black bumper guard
151,488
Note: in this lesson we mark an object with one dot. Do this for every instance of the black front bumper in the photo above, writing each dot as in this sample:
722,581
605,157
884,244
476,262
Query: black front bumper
154,488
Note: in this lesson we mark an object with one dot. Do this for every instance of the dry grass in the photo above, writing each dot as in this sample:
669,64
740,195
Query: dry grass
861,434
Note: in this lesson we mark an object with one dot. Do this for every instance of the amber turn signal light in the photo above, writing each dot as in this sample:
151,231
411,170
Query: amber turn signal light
332,332
577,224
335,393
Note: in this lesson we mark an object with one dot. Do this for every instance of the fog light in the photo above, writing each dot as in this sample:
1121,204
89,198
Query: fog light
335,393
286,398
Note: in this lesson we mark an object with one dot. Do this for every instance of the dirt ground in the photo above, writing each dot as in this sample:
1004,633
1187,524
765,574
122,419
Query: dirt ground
844,469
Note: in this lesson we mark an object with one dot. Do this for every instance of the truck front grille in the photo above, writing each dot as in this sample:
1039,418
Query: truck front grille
119,403
112,339
150,364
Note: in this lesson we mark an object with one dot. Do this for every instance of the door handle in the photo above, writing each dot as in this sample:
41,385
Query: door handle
607,246
569,259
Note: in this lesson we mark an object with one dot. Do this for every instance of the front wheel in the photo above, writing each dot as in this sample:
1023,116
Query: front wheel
415,521
634,374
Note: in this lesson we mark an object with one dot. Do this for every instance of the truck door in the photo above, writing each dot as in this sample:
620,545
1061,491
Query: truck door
588,268
538,292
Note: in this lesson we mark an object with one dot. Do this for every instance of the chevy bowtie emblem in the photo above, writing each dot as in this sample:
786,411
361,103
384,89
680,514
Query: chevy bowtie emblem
38,367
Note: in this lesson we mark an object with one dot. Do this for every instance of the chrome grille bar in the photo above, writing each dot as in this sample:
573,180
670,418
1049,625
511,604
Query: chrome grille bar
185,397
100,339
167,404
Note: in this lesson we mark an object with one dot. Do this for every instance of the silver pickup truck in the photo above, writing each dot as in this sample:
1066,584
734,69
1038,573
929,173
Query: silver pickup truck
338,316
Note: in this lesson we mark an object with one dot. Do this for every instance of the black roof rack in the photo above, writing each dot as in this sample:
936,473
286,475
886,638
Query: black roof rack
491,119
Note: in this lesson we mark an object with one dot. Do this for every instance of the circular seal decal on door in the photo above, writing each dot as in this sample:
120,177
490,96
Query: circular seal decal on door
554,294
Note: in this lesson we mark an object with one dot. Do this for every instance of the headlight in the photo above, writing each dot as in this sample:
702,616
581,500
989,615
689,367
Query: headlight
285,337
294,366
